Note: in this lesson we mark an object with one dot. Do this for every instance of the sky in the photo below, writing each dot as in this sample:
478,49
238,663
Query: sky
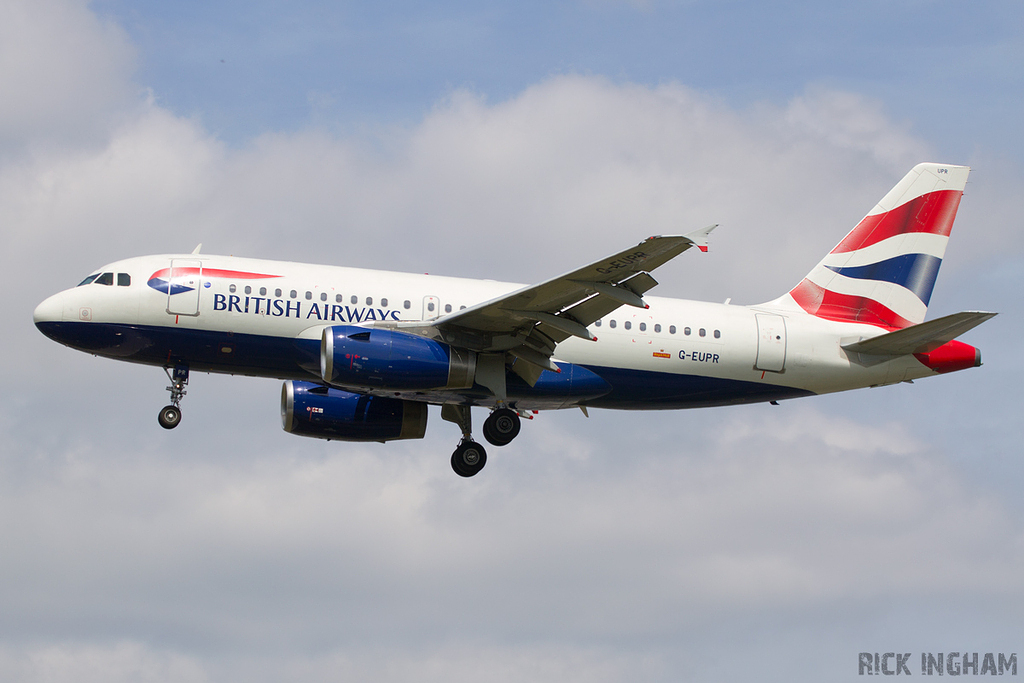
510,141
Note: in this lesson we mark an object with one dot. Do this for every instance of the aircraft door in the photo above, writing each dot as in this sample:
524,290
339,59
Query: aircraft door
431,307
184,280
771,342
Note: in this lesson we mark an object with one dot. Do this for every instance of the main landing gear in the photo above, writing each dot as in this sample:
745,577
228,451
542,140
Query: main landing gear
170,416
469,458
500,428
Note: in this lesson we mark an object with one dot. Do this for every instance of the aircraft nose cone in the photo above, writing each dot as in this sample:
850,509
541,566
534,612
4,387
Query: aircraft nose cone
50,311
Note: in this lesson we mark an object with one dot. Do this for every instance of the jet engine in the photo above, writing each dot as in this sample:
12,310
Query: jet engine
387,359
309,409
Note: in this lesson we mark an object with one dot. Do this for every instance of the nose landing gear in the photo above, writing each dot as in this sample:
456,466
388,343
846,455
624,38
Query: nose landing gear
170,415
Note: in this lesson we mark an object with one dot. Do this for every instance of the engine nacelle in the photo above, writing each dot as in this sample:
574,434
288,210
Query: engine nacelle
309,409
380,358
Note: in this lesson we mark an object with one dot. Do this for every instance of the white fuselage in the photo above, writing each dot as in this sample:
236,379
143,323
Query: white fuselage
676,353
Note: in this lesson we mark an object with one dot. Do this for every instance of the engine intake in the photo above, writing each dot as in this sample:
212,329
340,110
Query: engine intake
387,359
309,409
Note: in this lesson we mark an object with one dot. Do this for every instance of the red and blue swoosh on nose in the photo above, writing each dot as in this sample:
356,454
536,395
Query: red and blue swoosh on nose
162,281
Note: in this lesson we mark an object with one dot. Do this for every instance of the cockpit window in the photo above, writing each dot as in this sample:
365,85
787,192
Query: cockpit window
124,280
105,279
89,279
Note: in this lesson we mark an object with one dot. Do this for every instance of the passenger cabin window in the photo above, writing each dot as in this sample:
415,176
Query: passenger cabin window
430,306
277,292
671,329
323,296
407,304
657,327
384,301
447,308
597,323
627,324
105,279
338,298
702,332
89,279
293,294
263,291
718,334
686,331
369,301
309,295
355,299
231,288
248,289
643,327
611,324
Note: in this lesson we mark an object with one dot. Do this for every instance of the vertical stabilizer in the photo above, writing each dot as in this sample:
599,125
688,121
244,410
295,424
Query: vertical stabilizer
883,272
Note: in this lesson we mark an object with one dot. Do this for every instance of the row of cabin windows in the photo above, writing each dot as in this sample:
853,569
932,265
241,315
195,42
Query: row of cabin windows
701,332
407,304
123,279
338,298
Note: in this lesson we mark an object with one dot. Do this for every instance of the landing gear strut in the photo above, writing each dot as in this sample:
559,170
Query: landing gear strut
502,426
170,416
470,457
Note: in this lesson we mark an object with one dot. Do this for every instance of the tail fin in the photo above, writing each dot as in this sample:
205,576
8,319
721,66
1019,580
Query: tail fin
883,272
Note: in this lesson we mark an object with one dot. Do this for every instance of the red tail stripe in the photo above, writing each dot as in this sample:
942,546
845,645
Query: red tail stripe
846,308
933,213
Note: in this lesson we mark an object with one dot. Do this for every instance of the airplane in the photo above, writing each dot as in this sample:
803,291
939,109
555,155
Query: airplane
363,352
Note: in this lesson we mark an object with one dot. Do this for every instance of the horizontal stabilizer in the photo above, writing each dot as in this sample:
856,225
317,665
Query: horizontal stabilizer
921,338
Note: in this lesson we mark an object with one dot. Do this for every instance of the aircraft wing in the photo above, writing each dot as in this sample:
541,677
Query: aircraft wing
529,322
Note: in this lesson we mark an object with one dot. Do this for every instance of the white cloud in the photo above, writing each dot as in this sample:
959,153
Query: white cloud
593,549
850,121
570,169
290,555
141,187
63,73
124,661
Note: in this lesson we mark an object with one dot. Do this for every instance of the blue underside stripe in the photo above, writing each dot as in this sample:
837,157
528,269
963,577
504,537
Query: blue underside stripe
283,358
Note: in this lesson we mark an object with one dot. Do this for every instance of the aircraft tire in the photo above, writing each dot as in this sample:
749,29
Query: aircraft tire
502,426
468,459
169,417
